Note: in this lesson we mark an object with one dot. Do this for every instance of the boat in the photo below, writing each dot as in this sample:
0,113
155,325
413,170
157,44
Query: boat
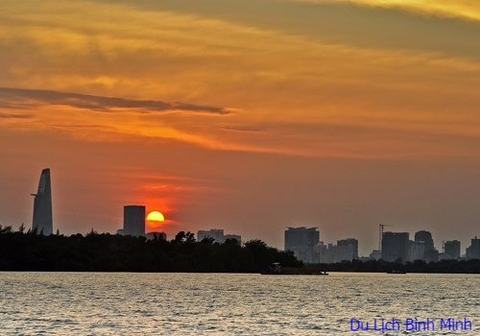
276,269
395,271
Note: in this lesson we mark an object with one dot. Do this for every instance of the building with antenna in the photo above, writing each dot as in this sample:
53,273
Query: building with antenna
42,205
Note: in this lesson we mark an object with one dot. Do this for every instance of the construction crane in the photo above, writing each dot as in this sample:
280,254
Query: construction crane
380,235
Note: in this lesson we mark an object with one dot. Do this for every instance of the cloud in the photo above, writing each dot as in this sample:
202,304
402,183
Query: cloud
243,128
458,9
14,116
405,24
14,96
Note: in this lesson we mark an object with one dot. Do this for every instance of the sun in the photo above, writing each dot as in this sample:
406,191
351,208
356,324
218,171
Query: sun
155,216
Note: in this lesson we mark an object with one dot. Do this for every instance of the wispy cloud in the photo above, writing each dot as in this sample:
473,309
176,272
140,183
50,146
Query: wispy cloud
13,96
460,9
243,128
14,116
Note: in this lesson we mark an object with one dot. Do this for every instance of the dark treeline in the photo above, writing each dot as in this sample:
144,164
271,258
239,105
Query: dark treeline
21,251
418,266
95,252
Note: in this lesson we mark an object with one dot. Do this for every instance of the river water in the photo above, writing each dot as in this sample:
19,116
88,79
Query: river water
237,304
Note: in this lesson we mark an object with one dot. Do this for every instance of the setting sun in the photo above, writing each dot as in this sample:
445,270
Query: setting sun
155,216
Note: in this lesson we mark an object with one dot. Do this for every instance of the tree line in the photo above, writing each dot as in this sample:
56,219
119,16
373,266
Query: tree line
94,252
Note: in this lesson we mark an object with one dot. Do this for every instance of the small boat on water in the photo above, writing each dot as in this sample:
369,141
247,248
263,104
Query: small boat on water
395,271
276,269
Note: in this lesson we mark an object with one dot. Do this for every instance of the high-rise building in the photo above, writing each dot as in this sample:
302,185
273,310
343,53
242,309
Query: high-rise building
395,246
473,251
134,220
302,242
42,205
416,250
350,242
452,249
431,254
426,237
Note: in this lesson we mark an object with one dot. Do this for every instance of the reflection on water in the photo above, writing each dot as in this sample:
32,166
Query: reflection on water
229,304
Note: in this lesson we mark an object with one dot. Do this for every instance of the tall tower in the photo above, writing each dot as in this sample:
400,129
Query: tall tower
134,220
42,205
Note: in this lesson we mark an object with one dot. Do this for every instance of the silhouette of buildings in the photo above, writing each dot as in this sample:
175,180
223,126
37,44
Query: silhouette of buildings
345,250
473,251
42,205
302,242
431,254
134,220
352,251
416,250
395,246
218,236
452,249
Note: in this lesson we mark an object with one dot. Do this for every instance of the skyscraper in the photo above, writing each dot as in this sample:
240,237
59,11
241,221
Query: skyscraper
452,249
302,242
395,246
473,251
134,220
42,205
426,237
353,243
431,254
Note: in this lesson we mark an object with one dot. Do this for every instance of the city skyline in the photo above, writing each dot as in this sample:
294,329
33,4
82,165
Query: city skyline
136,222
136,217
246,115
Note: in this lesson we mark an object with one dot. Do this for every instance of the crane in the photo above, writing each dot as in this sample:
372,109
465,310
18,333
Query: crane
380,235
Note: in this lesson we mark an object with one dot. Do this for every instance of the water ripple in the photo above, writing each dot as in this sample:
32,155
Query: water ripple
228,304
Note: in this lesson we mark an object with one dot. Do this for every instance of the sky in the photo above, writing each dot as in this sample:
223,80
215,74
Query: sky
246,115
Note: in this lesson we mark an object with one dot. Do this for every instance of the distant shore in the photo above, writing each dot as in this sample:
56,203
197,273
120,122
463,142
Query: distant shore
444,266
20,251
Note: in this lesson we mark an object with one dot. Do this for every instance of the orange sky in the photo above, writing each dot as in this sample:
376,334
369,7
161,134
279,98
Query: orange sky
244,115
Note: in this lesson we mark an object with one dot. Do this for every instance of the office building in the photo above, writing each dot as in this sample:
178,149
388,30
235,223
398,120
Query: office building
42,205
473,251
431,254
302,242
426,237
416,250
345,250
217,235
452,249
134,220
354,247
395,246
